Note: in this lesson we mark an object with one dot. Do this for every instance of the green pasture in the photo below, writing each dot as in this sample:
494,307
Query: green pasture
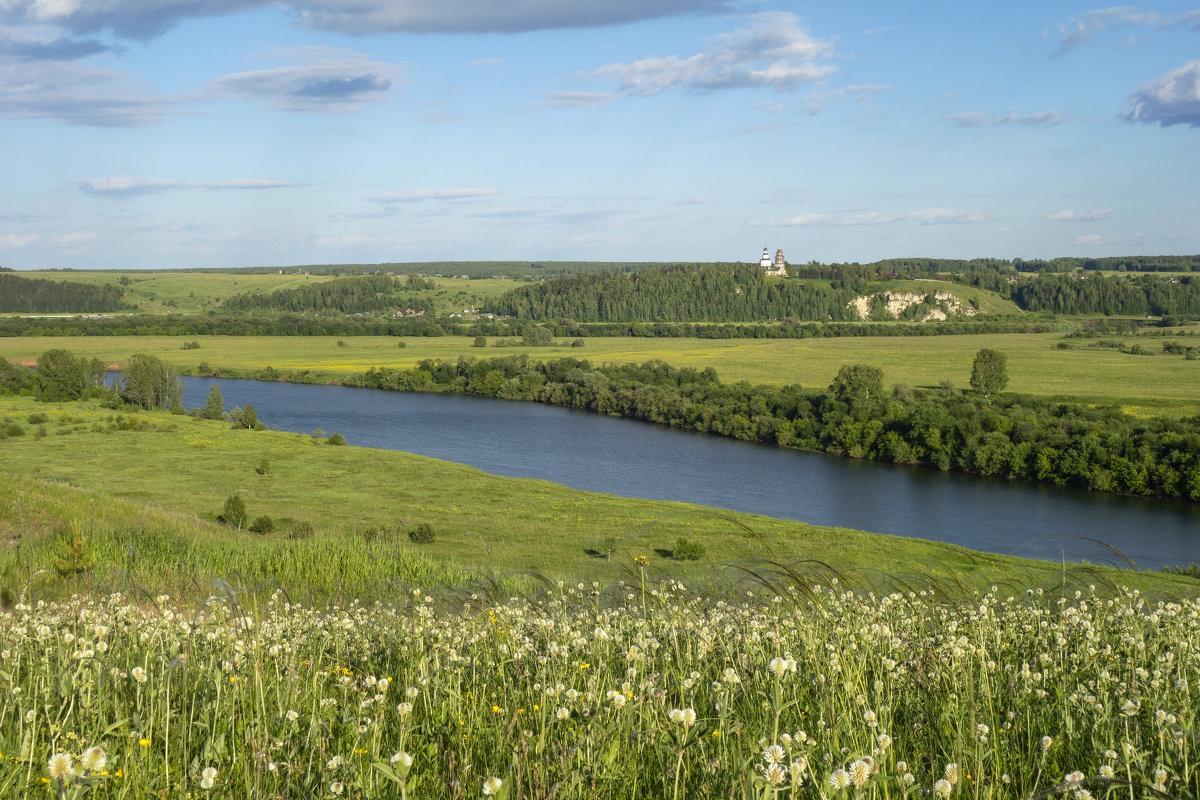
1144,384
159,481
197,292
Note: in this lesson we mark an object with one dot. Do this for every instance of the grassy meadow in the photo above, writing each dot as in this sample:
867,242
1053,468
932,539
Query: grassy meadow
1144,384
148,488
197,292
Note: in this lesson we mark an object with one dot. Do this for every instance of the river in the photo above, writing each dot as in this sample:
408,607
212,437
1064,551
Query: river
637,459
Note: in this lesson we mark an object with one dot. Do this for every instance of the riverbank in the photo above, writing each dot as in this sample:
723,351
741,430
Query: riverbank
158,482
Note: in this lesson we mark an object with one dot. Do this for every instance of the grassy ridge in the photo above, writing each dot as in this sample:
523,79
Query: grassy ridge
162,487
1144,384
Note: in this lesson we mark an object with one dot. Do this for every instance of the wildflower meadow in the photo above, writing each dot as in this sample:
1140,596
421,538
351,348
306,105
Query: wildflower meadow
590,691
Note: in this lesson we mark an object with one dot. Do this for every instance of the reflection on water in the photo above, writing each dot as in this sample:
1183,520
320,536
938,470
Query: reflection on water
634,459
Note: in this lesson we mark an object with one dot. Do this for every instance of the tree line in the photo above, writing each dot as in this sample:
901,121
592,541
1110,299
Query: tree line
20,295
1096,448
716,293
1095,293
294,324
363,294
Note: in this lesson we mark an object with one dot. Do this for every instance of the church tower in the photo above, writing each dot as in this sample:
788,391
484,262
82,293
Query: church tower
765,261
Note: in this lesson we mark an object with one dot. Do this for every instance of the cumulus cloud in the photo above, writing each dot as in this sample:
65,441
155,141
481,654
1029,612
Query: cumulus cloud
128,186
575,99
771,51
1071,215
329,80
418,195
926,216
1173,99
145,19
978,119
76,94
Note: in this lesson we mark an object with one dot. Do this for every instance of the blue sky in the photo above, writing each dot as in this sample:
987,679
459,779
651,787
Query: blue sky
172,133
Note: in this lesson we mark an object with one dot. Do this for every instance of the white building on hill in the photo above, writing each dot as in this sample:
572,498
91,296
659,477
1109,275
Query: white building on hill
778,267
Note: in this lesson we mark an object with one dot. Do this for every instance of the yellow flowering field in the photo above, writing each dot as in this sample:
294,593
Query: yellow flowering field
636,689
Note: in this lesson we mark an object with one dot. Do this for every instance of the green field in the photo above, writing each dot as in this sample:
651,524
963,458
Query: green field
91,468
197,292
1143,384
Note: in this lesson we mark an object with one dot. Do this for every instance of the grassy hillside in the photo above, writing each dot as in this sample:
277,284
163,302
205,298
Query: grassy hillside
1144,384
160,481
197,292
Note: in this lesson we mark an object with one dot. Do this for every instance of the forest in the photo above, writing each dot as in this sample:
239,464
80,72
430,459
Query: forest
366,294
718,293
41,296
1092,447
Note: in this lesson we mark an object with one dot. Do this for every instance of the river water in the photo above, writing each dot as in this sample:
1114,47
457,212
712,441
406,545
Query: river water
636,459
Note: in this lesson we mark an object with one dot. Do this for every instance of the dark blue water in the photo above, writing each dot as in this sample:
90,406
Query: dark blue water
635,459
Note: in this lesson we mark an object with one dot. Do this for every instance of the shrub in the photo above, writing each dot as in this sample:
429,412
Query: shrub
263,524
37,418
341,343
480,341
336,439
264,467
687,550
234,513
11,429
401,344
295,528
577,343
422,534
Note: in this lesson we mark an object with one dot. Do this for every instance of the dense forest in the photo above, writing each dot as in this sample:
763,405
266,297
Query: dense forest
363,294
722,293
1096,294
40,296
1097,448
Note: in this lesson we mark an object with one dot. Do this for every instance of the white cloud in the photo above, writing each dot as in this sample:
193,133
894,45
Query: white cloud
144,19
815,103
330,80
417,195
1079,29
250,183
575,99
771,51
18,240
75,94
1071,215
979,119
1173,99
128,186
927,216
73,238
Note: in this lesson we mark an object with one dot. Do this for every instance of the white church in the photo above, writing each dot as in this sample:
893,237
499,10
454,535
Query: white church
778,267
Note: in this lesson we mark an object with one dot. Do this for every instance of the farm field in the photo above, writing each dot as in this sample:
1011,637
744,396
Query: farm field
1143,384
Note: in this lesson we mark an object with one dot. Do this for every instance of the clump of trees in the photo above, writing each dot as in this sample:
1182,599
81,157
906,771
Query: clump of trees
40,296
1097,448
148,382
60,376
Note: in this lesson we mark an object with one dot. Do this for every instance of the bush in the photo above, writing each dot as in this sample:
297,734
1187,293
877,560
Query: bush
264,467
234,513
423,534
295,528
687,550
341,343
37,418
336,439
480,341
577,343
401,344
11,429
263,524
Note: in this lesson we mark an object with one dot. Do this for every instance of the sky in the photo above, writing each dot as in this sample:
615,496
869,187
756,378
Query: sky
230,133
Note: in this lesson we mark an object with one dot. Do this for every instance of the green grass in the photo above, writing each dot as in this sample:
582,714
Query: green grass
197,292
1154,384
91,469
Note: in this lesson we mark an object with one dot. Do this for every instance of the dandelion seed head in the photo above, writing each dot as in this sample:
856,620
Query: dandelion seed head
492,786
60,766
